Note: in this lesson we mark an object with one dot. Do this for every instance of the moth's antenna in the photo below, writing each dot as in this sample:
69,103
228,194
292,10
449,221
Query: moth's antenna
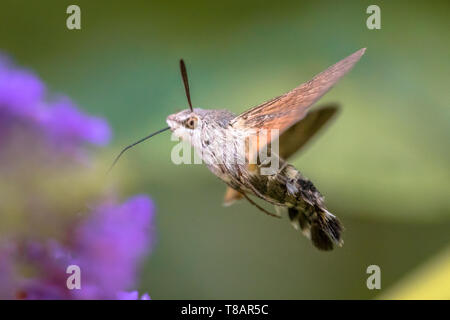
186,83
132,145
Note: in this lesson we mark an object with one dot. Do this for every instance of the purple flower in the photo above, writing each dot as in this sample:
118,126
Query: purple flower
133,295
53,215
111,243
21,92
22,101
75,126
107,246
6,272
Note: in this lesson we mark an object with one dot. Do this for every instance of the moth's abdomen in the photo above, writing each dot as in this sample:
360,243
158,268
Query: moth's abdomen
311,216
319,225
306,207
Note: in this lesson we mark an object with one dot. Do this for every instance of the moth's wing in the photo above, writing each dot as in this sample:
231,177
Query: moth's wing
231,196
294,138
286,110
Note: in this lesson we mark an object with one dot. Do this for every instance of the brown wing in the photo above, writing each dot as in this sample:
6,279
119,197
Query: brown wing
286,110
294,138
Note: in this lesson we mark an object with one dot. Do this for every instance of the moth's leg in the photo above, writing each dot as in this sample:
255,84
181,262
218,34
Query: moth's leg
279,210
260,208
231,196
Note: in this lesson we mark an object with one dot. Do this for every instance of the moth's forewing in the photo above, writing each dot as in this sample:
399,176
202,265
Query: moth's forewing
284,111
295,138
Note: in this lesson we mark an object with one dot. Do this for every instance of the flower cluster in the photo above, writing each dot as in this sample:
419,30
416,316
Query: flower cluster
55,210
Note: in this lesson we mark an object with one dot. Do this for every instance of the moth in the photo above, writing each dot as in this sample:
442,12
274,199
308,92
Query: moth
230,146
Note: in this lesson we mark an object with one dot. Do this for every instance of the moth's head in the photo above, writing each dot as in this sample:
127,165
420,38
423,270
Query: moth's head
185,124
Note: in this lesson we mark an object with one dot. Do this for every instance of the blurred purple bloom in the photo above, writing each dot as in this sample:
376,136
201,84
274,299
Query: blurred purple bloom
75,126
21,92
111,243
133,295
108,242
22,99
6,272
107,246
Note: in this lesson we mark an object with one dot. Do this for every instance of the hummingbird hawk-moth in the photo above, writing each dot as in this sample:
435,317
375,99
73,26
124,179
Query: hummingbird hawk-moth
221,137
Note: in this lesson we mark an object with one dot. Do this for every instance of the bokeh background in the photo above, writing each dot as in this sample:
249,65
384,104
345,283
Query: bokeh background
383,165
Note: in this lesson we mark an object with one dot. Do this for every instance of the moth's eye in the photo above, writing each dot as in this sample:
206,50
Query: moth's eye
191,123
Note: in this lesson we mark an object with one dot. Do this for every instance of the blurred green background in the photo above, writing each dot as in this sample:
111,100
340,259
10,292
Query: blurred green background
383,166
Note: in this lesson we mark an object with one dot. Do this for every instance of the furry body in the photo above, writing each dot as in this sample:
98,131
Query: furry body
222,149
